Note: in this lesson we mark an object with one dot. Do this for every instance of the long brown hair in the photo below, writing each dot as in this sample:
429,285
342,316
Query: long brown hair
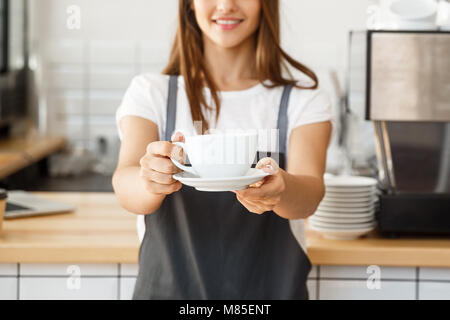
186,58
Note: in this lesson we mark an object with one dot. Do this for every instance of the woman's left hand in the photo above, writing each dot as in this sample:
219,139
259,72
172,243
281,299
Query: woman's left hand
265,194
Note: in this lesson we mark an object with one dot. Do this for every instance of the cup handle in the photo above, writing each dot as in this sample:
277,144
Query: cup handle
179,165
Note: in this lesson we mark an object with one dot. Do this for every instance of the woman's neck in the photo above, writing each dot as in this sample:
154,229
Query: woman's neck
231,68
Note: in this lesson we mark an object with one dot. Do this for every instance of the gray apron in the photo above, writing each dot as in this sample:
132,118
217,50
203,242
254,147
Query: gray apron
207,245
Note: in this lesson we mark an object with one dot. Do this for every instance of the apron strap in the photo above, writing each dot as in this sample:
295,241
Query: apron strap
171,107
282,125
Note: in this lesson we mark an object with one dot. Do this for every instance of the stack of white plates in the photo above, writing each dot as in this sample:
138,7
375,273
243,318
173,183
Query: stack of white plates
348,209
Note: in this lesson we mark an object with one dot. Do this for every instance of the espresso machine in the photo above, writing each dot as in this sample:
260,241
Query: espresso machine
400,82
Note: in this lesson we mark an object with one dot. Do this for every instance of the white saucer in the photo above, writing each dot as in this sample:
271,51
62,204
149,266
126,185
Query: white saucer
350,182
350,195
360,205
350,189
370,208
350,199
221,184
337,221
344,215
342,226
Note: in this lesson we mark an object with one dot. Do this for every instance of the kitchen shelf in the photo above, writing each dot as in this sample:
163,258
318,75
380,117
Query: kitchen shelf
18,153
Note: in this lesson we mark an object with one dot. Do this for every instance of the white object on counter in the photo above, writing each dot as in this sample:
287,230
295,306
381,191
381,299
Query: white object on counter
338,216
414,14
335,234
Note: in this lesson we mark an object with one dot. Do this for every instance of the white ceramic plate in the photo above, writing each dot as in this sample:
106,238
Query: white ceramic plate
343,215
341,234
350,190
342,226
357,191
350,195
335,220
337,204
221,184
370,208
350,181
349,199
328,213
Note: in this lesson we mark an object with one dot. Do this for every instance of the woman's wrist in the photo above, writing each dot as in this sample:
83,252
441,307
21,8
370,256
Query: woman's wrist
300,197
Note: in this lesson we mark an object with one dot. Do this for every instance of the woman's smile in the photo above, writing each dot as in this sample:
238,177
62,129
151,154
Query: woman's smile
226,23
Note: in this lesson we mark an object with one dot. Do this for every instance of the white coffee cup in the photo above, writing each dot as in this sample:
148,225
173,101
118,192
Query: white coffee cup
219,155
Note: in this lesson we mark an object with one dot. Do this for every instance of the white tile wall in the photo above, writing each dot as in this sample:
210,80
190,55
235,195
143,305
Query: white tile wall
65,52
312,289
8,288
313,273
57,288
112,52
152,55
360,272
70,125
33,269
128,269
357,290
8,269
434,274
102,102
110,77
66,77
67,102
127,287
434,290
111,281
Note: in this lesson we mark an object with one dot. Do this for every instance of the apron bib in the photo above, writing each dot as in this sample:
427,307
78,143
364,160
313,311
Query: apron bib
207,245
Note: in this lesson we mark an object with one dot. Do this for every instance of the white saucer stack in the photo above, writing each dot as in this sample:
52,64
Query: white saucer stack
348,209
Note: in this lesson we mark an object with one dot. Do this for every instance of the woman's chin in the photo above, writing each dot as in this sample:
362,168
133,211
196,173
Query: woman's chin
227,43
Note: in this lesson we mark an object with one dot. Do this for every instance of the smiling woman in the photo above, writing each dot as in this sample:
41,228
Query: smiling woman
226,71
207,28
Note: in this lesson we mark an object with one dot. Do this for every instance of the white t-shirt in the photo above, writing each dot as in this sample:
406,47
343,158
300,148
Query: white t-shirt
254,108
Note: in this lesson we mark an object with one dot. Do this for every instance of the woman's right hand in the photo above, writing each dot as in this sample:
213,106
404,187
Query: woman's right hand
157,168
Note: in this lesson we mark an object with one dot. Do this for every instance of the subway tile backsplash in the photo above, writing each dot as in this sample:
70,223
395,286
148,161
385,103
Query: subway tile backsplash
84,83
57,288
8,269
36,269
362,272
8,288
116,281
358,290
112,53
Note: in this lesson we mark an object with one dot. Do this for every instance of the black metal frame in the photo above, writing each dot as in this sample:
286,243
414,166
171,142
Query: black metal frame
5,36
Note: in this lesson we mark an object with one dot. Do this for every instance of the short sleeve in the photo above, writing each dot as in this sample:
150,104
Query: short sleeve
143,98
309,106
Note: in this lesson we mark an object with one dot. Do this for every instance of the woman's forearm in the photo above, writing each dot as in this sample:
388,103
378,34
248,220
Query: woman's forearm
301,196
132,194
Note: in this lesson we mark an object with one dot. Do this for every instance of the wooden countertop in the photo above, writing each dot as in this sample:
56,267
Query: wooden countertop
18,153
99,231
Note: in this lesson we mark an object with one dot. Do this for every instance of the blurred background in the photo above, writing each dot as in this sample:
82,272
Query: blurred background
66,64
83,55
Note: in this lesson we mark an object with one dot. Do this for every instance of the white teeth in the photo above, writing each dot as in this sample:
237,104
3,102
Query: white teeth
227,21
